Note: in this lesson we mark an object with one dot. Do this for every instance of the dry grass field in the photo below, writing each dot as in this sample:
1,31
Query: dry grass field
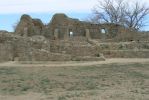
115,81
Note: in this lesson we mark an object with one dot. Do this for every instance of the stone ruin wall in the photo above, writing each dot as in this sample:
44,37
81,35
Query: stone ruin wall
38,48
61,27
75,47
29,27
34,41
13,47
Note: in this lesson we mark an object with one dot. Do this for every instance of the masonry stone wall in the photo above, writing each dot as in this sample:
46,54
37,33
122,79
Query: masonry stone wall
14,47
6,52
66,38
77,46
63,27
29,27
38,48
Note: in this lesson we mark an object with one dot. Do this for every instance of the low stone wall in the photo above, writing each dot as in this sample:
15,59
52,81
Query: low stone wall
25,48
13,47
6,52
120,45
6,48
39,55
37,48
74,49
126,53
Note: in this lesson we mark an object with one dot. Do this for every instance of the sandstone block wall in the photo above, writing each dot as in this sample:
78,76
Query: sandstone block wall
13,47
65,38
6,47
6,52
29,27
77,46
63,27
38,48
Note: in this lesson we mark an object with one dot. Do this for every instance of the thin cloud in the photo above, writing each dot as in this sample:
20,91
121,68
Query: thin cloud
47,6
29,6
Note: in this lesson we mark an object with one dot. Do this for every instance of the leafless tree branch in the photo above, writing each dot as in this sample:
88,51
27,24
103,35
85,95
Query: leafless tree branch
119,12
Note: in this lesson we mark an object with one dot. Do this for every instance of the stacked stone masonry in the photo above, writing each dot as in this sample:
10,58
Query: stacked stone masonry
65,38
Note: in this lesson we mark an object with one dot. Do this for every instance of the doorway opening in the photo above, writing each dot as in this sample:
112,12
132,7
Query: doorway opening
71,34
103,31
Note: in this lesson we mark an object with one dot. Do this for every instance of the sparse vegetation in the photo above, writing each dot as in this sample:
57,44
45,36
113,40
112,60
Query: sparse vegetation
78,82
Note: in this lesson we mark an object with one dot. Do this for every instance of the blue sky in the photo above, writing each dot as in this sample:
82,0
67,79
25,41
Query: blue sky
11,10
7,21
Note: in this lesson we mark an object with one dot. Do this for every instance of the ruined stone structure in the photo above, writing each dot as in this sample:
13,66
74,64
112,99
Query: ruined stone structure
18,48
29,27
63,27
65,38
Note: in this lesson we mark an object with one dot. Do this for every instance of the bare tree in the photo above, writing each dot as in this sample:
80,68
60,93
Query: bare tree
120,12
110,11
135,17
94,19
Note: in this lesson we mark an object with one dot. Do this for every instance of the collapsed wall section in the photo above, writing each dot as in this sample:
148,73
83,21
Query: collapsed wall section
29,27
63,27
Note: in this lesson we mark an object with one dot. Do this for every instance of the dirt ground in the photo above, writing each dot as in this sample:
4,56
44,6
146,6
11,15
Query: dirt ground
73,63
113,79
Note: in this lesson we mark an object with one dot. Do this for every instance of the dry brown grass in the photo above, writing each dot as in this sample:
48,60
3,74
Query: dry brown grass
98,82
